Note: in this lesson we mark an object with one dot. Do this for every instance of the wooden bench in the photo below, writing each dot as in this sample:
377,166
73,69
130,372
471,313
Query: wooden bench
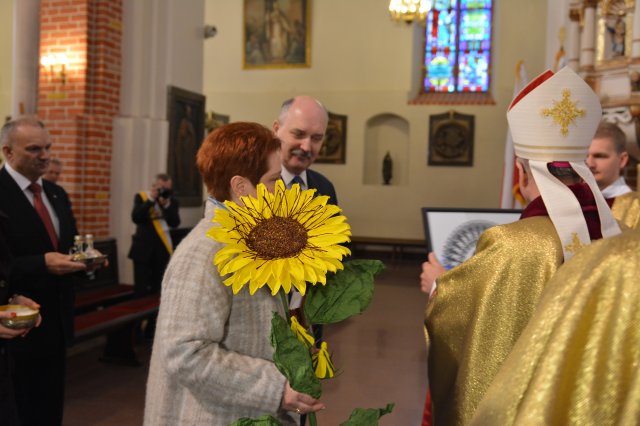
103,287
397,246
104,306
114,317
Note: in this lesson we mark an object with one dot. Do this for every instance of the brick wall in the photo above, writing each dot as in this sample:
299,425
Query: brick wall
79,111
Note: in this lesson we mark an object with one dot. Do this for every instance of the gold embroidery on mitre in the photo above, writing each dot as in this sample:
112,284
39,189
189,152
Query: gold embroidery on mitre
564,112
575,245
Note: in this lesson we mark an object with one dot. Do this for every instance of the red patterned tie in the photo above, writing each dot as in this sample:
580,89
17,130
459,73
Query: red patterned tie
43,213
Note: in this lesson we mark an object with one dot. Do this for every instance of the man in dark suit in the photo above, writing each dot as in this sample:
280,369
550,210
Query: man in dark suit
154,213
301,127
8,410
39,228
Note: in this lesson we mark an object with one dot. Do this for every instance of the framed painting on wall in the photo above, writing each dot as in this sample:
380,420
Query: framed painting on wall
334,147
452,233
451,139
185,112
277,34
214,120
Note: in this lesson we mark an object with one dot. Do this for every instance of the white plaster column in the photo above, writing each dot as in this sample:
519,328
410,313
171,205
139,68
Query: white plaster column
162,45
588,39
635,42
26,56
557,22
573,50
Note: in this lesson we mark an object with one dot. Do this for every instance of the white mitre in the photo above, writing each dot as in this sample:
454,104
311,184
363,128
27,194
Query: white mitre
554,118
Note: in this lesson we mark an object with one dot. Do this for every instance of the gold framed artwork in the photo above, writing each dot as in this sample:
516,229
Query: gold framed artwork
334,148
214,120
277,34
451,139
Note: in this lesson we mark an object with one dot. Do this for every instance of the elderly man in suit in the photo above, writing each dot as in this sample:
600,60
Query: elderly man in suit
39,231
301,127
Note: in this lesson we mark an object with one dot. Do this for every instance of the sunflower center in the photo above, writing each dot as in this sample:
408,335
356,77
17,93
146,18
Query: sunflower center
277,238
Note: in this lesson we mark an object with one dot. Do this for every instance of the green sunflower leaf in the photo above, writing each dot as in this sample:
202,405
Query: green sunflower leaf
260,421
348,292
367,416
292,358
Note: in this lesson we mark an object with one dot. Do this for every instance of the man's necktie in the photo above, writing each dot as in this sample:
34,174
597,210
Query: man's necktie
297,179
38,204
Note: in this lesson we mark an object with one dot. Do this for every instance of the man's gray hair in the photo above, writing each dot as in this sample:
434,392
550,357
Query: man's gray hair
284,108
7,134
563,172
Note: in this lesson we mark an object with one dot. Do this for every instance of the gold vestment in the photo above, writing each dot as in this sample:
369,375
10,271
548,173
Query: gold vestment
626,209
479,310
578,360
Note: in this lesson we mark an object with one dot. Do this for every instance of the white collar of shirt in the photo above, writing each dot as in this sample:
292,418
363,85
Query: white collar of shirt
24,183
20,179
616,189
287,176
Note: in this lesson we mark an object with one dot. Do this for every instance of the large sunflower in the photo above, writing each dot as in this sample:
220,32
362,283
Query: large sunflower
283,240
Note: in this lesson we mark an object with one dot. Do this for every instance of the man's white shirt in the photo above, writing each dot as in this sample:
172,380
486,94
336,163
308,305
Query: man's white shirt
616,189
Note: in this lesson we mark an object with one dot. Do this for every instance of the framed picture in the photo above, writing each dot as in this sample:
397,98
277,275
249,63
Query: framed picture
334,148
452,234
451,139
185,111
277,34
213,121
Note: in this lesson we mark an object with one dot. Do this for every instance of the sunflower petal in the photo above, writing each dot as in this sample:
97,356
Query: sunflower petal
322,363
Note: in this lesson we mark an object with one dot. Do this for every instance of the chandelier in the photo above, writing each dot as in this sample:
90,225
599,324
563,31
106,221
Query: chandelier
409,10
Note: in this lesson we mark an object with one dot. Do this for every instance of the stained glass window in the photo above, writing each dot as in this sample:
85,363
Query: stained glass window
458,46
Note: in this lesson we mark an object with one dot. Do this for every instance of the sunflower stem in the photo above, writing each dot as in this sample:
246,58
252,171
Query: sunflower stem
312,419
285,306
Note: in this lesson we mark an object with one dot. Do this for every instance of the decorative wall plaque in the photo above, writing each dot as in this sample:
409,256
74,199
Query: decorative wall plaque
451,139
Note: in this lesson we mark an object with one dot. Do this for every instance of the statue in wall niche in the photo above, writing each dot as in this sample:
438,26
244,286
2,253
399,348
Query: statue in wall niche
387,169
618,31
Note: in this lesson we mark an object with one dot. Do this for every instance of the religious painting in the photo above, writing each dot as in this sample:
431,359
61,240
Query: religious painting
452,233
277,34
451,139
185,111
613,43
214,120
334,148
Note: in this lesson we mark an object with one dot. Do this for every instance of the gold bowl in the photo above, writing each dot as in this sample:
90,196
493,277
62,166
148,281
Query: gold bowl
25,317
90,261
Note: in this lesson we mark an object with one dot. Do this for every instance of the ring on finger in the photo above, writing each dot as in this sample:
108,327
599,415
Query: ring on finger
298,411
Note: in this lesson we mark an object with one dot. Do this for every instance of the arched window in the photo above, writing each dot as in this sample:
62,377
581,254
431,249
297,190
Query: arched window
457,53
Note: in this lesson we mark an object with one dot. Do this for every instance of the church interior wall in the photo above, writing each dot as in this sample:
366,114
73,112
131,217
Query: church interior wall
361,66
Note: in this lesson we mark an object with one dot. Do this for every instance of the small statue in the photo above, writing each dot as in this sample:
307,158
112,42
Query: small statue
618,31
387,168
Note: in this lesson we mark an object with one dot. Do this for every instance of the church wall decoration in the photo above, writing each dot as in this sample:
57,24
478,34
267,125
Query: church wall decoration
451,137
334,148
186,116
214,120
276,34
